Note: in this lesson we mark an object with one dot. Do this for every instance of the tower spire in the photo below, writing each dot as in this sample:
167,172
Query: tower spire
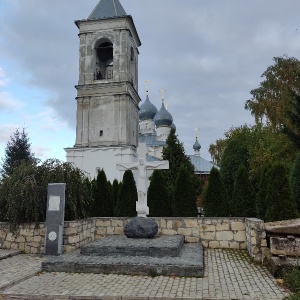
107,9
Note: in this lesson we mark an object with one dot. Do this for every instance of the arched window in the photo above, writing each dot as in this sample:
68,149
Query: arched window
104,60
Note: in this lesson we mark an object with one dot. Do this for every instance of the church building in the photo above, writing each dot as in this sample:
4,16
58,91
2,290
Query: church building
110,123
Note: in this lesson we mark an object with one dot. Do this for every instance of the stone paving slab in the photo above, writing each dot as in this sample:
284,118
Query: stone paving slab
188,263
14,269
229,274
5,253
159,246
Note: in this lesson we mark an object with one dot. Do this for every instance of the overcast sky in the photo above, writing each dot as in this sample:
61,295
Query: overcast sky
207,54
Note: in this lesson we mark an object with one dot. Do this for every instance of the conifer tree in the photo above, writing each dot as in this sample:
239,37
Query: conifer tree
295,181
235,154
260,201
184,203
174,152
115,192
17,150
243,198
157,196
127,198
215,199
280,204
102,205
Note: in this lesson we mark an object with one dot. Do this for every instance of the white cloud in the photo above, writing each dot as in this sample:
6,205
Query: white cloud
7,102
41,152
47,120
6,131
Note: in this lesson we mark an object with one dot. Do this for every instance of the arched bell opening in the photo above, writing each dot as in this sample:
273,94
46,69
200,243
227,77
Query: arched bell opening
104,52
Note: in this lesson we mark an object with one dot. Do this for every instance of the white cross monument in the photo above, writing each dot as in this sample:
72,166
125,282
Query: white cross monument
142,165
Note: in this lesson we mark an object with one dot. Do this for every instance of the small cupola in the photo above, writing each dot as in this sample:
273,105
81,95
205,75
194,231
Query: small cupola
147,113
147,110
163,117
197,147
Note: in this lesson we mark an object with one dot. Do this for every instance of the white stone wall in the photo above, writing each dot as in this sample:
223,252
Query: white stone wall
92,159
221,233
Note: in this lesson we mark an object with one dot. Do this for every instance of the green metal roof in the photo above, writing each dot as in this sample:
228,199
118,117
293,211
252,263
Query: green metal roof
107,9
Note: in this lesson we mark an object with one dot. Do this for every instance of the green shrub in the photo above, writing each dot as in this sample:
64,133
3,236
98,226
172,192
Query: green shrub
294,180
243,197
292,279
235,154
127,198
260,200
184,203
280,205
157,196
215,200
115,191
23,194
101,205
293,297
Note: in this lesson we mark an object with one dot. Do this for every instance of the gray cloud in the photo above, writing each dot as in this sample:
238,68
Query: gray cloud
208,55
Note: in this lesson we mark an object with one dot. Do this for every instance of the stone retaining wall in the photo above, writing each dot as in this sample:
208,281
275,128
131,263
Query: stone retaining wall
256,239
230,233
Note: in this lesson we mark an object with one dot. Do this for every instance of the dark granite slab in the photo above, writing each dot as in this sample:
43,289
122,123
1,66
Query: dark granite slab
188,263
160,246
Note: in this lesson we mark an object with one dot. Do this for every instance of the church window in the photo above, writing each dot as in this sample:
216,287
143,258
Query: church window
104,60
101,132
131,54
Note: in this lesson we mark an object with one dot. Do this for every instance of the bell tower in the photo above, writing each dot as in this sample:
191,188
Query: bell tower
107,90
107,98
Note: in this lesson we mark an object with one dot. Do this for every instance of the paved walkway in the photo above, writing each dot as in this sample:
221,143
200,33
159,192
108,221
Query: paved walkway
229,274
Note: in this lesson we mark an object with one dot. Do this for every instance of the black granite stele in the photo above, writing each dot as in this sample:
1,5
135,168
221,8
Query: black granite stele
55,218
122,255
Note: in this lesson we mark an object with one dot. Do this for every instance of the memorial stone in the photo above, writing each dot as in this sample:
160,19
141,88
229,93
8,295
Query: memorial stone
55,218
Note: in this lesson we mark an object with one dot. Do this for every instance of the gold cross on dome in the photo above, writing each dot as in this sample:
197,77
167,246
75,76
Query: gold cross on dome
147,86
197,130
167,104
163,95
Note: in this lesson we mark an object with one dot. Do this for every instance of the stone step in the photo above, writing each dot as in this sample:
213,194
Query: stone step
159,246
188,263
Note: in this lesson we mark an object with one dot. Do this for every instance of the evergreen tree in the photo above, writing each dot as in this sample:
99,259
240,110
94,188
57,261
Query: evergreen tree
102,205
115,192
215,199
127,198
280,204
16,151
295,181
243,198
157,196
235,154
184,203
292,126
174,152
260,201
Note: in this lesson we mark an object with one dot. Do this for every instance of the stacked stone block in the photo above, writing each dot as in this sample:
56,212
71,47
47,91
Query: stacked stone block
256,239
29,237
78,233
